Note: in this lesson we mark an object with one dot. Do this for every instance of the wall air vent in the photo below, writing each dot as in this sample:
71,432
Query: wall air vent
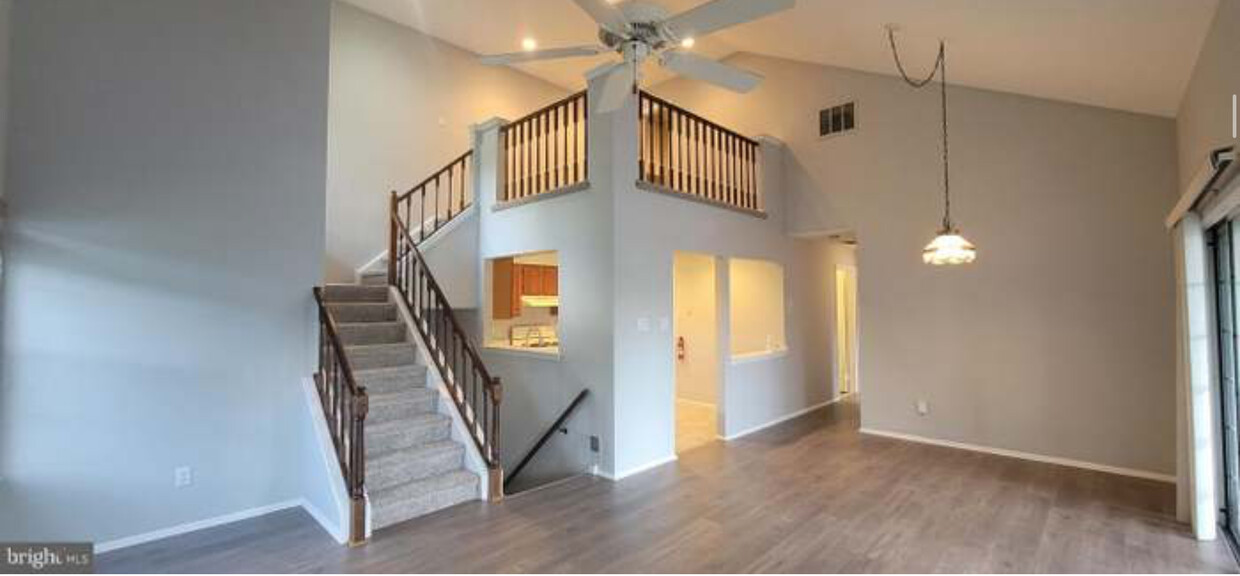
837,119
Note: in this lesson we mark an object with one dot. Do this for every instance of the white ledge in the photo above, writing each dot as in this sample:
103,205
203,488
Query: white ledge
759,356
550,354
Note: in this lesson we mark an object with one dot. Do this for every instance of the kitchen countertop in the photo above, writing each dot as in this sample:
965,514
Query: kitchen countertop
547,353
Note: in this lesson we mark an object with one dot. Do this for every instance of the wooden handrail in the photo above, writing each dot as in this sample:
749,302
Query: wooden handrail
437,175
682,152
446,194
475,393
559,423
345,406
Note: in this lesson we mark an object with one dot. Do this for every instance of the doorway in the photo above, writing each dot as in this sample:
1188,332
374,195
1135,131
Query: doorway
696,349
845,330
1222,243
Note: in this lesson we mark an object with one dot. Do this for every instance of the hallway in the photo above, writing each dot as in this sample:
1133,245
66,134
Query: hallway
808,495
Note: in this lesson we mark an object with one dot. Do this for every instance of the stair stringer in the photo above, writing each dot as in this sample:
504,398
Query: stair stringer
474,461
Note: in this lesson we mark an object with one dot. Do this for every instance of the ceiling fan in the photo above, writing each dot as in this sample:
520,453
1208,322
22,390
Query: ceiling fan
638,30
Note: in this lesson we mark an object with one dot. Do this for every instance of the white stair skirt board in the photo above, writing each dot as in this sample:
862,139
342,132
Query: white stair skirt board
197,525
634,470
327,458
425,246
784,418
1144,474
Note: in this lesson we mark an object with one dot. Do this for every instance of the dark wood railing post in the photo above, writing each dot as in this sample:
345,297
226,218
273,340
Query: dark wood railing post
392,238
496,476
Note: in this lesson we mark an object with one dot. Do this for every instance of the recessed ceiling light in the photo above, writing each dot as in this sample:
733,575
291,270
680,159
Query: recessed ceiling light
687,43
529,44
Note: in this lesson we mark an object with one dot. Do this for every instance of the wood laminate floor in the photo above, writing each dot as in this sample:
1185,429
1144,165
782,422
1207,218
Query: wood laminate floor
808,495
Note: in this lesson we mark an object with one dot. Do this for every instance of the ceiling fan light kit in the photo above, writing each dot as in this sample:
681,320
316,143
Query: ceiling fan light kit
949,247
638,30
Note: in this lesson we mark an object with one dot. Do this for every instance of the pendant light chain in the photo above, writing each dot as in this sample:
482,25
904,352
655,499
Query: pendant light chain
940,68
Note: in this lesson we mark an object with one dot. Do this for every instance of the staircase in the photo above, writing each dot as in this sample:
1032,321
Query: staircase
412,465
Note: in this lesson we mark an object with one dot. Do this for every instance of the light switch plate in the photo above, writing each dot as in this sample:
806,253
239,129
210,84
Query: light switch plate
182,476
665,324
643,324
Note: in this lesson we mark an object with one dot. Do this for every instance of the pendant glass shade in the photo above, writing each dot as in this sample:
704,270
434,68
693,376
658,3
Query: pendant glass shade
948,249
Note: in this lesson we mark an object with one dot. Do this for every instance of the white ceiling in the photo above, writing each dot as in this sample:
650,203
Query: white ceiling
1134,55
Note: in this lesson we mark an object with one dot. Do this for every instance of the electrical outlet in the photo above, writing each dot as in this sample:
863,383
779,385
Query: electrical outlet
923,407
182,476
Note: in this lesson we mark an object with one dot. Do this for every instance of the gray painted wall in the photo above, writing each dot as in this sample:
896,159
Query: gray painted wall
1059,340
402,104
6,9
166,224
1204,122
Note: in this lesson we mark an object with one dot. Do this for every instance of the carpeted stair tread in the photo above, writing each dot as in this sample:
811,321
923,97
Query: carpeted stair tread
387,469
363,333
366,356
354,293
399,404
419,497
406,432
346,312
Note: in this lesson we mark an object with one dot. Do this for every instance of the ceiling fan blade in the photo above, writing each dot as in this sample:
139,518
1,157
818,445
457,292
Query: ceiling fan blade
615,86
607,15
719,14
548,54
707,70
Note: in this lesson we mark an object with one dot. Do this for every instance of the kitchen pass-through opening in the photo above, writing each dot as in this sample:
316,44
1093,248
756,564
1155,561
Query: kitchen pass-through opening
524,313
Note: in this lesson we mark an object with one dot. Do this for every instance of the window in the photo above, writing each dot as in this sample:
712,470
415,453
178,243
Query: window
756,300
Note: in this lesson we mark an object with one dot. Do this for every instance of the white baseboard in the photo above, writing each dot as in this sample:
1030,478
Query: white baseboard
195,526
784,418
333,528
1024,455
634,470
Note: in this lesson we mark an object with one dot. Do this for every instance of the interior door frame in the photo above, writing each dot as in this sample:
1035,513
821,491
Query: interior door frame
849,333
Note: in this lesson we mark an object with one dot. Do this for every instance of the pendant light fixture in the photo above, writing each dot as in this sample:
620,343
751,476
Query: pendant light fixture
948,247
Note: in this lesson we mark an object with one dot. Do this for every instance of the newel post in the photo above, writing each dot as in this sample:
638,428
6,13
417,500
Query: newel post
392,240
496,469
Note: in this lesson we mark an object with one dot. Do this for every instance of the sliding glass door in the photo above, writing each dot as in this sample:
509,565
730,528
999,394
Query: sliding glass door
1222,244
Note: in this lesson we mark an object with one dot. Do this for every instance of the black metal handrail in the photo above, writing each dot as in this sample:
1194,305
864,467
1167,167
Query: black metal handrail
682,152
559,423
345,405
475,393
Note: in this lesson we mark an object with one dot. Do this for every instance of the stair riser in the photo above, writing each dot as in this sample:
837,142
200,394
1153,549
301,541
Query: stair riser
380,477
375,279
363,312
355,293
406,437
391,513
378,333
387,412
413,377
363,359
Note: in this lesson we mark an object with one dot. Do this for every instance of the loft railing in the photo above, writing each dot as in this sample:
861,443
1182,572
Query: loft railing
545,151
474,392
345,405
434,202
683,153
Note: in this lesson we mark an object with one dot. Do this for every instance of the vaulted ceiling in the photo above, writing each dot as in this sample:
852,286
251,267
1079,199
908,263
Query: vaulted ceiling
1134,55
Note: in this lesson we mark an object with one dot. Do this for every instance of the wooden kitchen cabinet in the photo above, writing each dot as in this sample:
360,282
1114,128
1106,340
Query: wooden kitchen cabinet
505,293
550,281
531,280
511,281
